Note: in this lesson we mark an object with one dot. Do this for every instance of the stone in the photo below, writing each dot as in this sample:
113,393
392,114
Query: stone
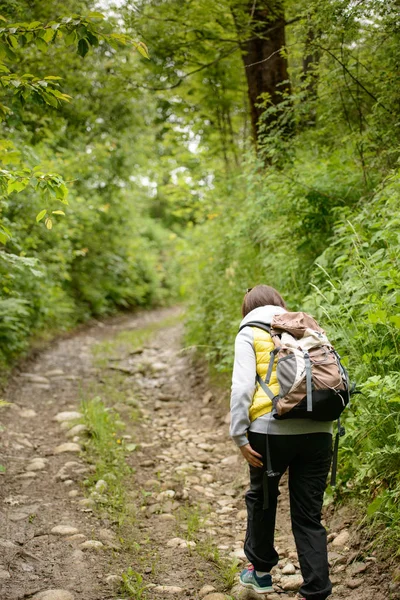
207,397
114,581
215,596
166,517
27,475
289,569
73,493
241,593
33,378
37,464
206,589
291,583
107,535
18,516
334,558
77,537
151,483
67,469
356,568
64,530
238,554
207,478
230,460
76,430
175,542
67,447
91,545
242,515
342,539
4,574
54,373
168,589
101,486
54,594
67,416
27,413
354,583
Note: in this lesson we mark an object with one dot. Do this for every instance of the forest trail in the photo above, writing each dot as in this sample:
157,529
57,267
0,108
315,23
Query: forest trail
183,510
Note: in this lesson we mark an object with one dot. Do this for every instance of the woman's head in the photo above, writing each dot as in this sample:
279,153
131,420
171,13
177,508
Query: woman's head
261,295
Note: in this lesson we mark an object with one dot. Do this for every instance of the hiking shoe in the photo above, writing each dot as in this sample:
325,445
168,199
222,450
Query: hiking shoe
249,579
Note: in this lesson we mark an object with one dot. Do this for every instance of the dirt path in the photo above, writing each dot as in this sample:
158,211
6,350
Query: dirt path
174,527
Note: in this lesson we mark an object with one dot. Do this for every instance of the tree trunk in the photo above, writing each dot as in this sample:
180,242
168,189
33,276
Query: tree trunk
310,76
262,41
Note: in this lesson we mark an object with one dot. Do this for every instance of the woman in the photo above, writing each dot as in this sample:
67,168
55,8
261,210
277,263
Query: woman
303,446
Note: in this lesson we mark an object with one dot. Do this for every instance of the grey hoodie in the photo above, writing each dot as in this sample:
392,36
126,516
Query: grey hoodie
244,385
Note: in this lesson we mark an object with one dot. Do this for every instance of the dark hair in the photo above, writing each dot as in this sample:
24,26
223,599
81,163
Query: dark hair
261,295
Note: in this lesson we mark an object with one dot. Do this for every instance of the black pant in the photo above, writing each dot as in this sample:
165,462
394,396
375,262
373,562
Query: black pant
308,457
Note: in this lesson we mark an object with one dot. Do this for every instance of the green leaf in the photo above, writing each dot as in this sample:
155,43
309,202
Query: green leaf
49,223
4,238
2,18
96,15
40,215
58,212
375,506
48,35
16,186
13,41
50,99
2,469
70,38
131,447
142,49
395,319
61,193
41,44
83,47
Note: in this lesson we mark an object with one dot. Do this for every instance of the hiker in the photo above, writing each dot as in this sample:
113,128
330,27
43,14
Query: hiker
302,445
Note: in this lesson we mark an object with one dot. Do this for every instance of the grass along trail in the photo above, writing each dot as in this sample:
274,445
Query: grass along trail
122,481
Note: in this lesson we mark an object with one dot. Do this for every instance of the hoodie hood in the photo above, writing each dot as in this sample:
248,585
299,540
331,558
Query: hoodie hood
264,314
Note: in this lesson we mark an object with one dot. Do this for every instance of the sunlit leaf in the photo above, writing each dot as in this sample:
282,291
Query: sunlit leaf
40,215
142,49
96,15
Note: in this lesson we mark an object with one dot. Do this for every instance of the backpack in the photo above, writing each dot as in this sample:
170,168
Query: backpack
313,383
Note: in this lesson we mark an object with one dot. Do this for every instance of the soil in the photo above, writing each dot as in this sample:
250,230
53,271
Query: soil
186,491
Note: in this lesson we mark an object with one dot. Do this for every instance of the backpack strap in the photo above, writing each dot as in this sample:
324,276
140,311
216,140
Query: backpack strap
308,381
263,383
258,324
340,433
264,386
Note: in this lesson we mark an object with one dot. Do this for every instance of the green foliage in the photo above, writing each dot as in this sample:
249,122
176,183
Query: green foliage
106,451
99,249
132,584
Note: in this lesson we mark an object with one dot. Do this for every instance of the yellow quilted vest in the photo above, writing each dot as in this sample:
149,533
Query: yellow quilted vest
263,345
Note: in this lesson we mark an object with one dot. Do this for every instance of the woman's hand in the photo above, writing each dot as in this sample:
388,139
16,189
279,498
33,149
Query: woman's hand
252,457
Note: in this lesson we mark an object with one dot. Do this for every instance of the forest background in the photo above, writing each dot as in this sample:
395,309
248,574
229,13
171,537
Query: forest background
258,143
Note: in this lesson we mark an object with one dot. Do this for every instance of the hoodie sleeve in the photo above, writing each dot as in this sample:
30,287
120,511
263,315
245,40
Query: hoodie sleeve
243,386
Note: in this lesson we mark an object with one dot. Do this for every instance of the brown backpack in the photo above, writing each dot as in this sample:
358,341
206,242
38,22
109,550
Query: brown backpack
312,381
